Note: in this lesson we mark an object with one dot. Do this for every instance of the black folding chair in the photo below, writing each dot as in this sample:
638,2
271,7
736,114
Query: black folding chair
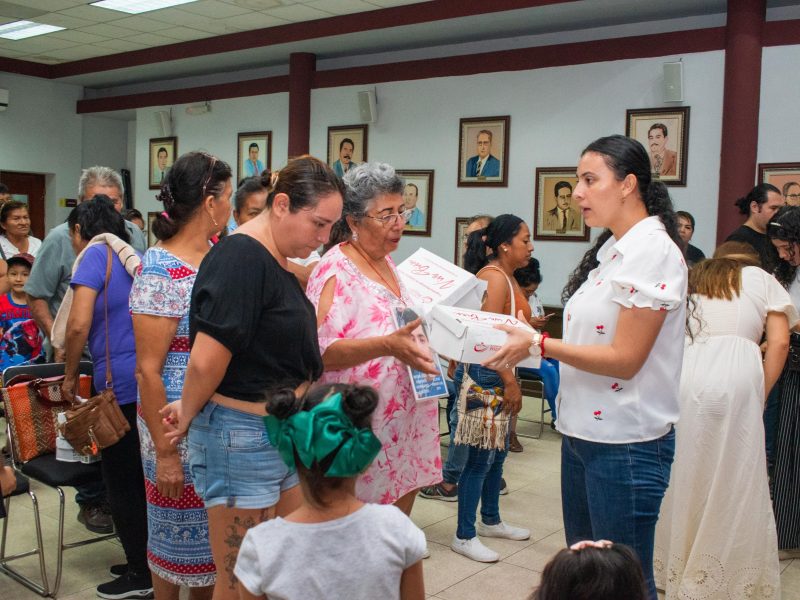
56,474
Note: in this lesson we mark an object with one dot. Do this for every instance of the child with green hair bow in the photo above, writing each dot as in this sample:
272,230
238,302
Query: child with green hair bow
333,545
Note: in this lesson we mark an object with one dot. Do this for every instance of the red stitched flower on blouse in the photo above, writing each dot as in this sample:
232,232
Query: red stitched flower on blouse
597,414
616,387
600,329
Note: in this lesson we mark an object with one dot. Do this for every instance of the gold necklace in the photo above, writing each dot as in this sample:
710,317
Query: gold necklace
371,266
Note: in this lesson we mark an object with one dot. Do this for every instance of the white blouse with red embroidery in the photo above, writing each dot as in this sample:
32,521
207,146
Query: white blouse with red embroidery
643,269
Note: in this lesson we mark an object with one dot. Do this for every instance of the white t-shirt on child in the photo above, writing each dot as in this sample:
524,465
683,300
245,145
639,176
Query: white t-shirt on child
359,557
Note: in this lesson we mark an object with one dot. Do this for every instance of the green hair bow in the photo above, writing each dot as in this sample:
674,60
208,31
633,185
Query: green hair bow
314,434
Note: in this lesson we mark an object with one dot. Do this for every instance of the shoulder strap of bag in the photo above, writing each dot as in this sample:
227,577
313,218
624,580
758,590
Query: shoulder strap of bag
109,382
510,288
2,252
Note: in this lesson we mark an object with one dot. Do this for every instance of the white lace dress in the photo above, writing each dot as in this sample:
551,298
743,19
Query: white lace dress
716,535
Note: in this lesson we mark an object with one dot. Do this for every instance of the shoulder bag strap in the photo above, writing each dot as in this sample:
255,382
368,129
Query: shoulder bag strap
2,252
109,382
510,288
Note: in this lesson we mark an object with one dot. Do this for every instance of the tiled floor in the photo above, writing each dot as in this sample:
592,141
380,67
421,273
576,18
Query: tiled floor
534,502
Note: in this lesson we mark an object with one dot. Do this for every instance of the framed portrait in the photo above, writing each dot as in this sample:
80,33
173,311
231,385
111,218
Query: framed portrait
418,196
483,151
254,153
555,216
347,146
461,240
664,132
785,177
151,218
163,152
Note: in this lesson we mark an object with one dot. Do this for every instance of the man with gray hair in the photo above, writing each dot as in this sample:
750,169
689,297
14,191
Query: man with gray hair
46,286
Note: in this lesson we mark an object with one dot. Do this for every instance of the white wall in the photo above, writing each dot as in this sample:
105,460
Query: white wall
213,132
778,123
41,133
554,113
105,142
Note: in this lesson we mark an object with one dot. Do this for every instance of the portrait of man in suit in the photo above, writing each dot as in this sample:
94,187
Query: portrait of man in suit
345,160
162,154
663,161
562,217
410,199
484,164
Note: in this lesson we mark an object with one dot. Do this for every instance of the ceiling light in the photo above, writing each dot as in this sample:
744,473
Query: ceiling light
24,29
135,7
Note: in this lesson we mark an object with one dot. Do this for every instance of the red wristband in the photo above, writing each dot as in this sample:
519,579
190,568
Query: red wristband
545,335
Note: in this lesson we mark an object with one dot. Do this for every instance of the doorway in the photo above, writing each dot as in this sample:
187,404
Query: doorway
28,188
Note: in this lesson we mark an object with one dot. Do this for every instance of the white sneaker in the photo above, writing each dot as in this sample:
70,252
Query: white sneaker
503,530
474,549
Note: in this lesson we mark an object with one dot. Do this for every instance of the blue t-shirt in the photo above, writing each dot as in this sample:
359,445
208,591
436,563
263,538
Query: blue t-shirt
20,341
91,273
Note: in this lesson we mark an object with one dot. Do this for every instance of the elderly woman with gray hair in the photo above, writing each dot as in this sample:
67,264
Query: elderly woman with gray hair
357,292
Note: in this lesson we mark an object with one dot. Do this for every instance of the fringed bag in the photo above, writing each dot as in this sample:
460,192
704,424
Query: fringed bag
481,420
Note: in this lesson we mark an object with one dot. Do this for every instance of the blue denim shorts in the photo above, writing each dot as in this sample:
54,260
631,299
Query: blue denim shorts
232,462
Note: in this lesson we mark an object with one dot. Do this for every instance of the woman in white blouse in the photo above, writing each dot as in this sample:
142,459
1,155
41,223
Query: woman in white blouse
621,352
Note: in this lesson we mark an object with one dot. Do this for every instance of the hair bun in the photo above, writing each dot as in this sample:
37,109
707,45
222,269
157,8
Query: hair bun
283,403
359,402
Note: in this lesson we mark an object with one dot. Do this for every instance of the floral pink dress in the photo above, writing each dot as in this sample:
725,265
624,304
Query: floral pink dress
408,430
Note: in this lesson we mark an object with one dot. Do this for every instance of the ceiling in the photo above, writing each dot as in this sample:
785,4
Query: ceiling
103,49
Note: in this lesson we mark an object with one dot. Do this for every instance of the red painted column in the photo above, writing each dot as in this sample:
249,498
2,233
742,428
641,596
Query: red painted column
740,106
302,66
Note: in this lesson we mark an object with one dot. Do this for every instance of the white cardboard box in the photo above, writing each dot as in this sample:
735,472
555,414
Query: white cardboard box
431,280
469,336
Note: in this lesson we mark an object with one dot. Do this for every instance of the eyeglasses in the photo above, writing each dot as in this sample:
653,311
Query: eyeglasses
208,177
390,220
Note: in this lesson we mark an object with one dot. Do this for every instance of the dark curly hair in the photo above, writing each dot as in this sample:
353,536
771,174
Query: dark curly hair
626,156
785,226
758,195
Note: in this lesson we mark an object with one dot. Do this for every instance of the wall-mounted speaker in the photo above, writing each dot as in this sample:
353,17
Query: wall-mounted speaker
164,123
673,82
367,106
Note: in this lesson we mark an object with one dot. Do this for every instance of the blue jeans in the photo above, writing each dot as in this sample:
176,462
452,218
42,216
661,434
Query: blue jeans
548,372
614,492
456,453
483,469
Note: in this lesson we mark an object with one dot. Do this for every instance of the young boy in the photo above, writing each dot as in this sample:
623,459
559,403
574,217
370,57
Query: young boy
21,341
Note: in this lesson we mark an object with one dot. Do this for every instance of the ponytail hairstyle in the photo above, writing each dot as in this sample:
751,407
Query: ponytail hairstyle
187,183
626,156
358,402
785,226
304,180
758,195
500,231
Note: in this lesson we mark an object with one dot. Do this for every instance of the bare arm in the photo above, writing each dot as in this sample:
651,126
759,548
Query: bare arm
79,322
346,353
207,365
777,349
153,336
40,312
302,273
5,286
412,584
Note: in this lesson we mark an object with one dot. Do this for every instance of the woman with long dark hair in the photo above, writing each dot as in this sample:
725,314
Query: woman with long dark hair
621,353
784,231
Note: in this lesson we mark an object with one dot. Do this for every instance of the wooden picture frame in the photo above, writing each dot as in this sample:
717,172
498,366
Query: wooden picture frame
473,135
664,132
421,200
555,216
151,238
461,238
258,143
338,156
785,177
163,152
